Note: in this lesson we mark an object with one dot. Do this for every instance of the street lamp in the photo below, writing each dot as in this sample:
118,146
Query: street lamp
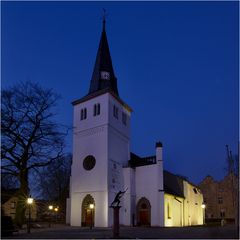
203,206
56,210
50,207
29,202
91,206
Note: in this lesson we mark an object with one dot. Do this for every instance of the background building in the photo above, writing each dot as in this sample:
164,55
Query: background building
9,203
221,197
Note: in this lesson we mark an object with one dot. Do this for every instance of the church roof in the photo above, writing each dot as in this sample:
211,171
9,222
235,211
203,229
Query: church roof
103,65
136,161
173,184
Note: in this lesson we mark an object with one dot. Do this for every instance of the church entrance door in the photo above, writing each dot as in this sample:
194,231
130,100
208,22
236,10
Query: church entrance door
143,212
88,213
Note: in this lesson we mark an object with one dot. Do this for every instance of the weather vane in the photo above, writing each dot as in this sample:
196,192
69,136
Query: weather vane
104,17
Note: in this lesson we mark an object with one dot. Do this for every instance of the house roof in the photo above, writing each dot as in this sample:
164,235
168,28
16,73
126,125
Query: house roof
6,194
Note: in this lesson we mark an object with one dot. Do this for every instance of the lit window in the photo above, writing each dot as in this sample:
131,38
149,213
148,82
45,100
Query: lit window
124,118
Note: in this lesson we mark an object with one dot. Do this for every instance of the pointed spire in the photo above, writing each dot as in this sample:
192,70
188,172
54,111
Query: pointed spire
103,75
104,18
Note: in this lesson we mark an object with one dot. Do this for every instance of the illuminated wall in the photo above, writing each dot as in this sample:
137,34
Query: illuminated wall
193,212
186,211
173,209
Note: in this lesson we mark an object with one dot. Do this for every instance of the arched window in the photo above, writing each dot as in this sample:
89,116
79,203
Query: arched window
83,114
115,111
168,211
96,109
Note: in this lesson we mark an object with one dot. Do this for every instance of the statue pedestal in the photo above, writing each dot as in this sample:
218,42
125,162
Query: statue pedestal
115,221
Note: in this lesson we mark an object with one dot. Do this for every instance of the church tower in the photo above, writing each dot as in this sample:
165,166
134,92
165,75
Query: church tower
101,134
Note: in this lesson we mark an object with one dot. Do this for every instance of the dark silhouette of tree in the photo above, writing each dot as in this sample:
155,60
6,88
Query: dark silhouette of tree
31,138
53,181
9,181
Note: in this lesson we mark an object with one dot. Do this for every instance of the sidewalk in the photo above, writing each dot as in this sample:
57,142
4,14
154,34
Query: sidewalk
61,231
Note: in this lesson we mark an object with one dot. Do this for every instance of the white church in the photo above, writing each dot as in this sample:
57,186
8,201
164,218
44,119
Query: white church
103,164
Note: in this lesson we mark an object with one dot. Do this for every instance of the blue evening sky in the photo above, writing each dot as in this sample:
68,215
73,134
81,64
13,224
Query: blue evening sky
176,63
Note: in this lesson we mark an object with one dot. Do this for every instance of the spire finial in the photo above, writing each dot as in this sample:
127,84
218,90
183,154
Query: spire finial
104,18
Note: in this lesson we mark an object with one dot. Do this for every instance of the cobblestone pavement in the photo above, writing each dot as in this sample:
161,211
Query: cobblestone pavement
67,232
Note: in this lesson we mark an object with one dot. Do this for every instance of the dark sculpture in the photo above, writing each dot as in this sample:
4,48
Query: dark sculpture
117,198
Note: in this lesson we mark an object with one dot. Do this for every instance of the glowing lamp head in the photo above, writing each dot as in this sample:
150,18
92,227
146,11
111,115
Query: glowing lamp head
203,206
56,209
50,207
91,206
29,200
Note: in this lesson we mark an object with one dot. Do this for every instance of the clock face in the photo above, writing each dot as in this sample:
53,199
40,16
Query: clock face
105,75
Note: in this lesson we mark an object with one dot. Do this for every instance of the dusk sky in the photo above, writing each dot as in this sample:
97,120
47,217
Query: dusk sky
176,63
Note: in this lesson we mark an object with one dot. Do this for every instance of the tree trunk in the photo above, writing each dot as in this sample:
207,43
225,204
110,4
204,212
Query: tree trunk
22,198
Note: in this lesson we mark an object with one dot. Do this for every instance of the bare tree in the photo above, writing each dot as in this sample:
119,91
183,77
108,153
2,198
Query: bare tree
232,171
9,181
31,138
54,181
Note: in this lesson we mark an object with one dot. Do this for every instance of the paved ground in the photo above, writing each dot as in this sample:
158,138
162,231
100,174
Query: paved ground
67,232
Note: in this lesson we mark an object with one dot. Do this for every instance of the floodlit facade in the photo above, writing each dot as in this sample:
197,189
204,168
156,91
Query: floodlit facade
103,164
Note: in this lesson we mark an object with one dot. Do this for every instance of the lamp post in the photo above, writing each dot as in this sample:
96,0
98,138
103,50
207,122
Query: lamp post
50,207
56,210
203,208
29,202
91,206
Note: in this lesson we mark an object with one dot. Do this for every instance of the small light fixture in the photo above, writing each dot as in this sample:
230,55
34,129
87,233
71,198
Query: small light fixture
29,200
203,205
91,206
56,209
50,207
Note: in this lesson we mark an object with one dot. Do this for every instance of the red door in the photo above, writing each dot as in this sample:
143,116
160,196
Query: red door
144,217
88,217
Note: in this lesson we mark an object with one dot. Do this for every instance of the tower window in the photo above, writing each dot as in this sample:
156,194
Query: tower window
96,109
124,118
83,113
115,112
